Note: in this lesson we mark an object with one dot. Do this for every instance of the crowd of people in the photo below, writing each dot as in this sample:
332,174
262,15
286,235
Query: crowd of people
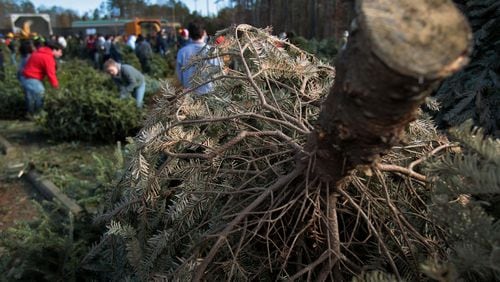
37,58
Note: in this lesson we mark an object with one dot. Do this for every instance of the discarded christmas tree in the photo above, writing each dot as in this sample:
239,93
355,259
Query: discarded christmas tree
256,180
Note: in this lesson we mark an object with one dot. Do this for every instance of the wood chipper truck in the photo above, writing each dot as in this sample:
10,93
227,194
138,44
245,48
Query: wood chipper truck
27,25
143,26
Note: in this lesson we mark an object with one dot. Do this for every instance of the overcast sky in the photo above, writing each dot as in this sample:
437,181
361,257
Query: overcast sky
90,5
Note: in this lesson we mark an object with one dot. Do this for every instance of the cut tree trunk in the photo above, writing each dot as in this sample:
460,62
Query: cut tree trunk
397,53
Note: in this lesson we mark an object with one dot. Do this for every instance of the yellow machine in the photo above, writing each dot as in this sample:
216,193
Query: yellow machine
28,25
26,30
143,26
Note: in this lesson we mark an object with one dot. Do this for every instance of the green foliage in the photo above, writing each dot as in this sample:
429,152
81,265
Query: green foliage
465,198
474,93
87,107
73,49
11,95
129,57
44,250
325,49
80,171
152,86
161,67
53,246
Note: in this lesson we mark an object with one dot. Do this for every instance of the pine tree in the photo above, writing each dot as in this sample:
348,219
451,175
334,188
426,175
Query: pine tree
465,199
474,93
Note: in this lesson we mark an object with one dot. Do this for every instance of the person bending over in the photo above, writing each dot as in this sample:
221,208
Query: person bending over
41,64
129,80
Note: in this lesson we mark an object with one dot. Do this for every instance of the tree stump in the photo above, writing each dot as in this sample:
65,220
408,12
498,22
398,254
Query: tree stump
398,51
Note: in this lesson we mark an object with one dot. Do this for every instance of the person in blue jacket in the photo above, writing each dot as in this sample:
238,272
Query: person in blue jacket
196,47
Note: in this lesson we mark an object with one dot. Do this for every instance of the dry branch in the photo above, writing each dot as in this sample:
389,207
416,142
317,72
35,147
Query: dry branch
403,170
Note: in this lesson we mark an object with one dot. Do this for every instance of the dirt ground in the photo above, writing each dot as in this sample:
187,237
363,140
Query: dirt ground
16,196
15,203
70,165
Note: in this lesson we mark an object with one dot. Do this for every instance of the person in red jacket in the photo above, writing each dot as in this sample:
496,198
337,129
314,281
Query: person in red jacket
40,64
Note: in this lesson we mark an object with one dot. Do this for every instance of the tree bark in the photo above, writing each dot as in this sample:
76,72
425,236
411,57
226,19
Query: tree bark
396,55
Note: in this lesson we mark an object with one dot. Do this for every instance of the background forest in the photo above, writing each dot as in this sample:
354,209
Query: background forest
311,19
